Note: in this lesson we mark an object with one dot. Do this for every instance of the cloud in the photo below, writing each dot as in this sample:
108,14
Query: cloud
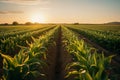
25,2
11,12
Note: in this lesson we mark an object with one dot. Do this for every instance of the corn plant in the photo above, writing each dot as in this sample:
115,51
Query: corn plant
27,64
10,44
87,63
110,38
21,67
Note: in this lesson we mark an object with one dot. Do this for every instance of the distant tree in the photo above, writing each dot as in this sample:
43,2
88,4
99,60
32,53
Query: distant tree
15,23
28,23
5,24
113,23
76,23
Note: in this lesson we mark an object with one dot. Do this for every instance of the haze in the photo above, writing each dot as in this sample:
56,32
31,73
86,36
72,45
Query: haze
59,11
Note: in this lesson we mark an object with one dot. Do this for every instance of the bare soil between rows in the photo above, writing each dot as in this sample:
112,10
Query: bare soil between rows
57,59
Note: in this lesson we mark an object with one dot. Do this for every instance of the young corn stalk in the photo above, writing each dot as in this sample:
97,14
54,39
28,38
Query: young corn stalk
87,65
27,63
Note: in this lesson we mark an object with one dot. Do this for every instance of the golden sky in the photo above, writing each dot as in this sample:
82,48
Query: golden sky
59,11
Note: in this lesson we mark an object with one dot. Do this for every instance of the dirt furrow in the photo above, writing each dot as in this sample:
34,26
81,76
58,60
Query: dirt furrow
58,57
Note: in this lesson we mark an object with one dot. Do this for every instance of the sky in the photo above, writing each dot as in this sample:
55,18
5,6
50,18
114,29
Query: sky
59,11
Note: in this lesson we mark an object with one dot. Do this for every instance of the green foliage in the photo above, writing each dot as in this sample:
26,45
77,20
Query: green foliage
108,39
9,42
21,66
87,65
27,64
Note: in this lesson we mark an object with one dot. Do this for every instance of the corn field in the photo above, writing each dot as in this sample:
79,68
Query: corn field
59,52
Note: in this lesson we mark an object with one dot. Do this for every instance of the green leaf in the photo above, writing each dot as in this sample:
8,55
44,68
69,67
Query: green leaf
88,76
71,73
8,60
108,60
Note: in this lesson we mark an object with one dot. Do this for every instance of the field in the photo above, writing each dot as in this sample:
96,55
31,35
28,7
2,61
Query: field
107,36
60,52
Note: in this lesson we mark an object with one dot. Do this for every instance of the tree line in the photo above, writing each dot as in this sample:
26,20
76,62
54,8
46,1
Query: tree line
17,23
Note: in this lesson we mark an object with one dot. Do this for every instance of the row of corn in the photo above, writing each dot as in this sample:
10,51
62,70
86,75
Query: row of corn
109,40
87,63
10,44
28,63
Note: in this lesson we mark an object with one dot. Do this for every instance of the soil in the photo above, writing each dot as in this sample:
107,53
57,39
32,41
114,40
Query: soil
49,70
57,59
1,71
62,58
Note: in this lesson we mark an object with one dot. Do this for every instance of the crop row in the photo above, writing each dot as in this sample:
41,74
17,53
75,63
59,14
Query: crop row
87,63
106,39
17,28
28,63
21,31
10,45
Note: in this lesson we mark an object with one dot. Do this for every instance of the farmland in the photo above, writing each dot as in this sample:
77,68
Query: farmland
60,52
107,36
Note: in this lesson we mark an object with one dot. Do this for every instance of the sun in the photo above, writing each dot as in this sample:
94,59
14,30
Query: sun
37,18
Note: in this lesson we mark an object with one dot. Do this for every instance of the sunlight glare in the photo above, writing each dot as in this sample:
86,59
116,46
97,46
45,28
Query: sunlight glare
38,18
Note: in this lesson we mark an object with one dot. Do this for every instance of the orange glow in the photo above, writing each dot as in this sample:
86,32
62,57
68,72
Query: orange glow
37,18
